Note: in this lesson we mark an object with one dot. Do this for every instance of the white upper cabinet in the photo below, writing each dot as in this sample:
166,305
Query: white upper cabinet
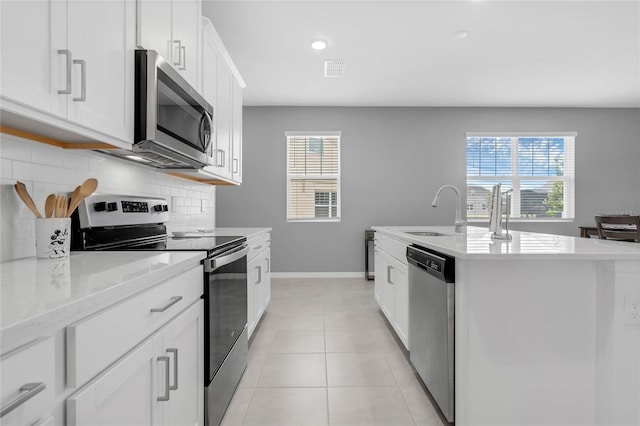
236,132
72,60
100,39
29,61
172,28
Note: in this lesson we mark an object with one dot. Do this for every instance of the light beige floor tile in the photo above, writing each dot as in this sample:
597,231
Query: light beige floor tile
402,369
238,407
287,406
371,406
297,341
261,340
359,341
421,408
293,370
353,320
255,361
358,370
301,321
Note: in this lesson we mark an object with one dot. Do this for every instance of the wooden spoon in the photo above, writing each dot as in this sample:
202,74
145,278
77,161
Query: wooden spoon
87,188
61,206
50,205
26,198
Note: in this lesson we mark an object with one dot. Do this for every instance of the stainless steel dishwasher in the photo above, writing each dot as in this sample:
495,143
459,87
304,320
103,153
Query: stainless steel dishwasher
431,322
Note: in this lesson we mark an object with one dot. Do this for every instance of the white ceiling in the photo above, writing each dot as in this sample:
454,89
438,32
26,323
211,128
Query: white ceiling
403,53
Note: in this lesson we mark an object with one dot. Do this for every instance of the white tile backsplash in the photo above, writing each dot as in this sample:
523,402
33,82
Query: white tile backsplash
46,169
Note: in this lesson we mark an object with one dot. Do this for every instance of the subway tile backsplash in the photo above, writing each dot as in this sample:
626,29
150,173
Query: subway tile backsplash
46,169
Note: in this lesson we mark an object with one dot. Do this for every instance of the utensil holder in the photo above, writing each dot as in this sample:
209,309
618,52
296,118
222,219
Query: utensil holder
53,237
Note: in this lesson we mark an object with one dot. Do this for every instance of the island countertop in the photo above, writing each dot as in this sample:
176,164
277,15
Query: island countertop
476,243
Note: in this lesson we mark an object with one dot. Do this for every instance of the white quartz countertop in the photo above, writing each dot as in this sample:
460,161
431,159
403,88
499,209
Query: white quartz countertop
37,294
241,232
476,243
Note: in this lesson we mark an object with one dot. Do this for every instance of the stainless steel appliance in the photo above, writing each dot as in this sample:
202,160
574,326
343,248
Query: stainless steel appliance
118,222
431,323
173,122
369,246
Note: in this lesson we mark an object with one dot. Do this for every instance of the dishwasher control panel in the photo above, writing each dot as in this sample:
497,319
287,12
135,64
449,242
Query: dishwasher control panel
438,264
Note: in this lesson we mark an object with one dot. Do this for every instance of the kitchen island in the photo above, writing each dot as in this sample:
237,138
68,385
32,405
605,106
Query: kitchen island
544,333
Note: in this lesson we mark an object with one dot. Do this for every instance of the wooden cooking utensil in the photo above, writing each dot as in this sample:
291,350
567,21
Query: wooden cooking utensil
87,188
50,205
61,206
26,198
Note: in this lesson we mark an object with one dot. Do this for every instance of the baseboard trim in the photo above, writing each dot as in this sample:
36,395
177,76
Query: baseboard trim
317,275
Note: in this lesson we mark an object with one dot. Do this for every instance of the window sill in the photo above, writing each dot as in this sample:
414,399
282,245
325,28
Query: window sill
312,220
512,220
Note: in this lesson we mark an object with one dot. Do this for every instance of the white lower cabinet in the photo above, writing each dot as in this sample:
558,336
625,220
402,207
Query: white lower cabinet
258,279
159,382
27,385
391,286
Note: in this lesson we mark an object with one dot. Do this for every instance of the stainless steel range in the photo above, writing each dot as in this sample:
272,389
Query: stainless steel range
118,222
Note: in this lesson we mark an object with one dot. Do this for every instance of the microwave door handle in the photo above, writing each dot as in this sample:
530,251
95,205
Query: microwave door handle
203,137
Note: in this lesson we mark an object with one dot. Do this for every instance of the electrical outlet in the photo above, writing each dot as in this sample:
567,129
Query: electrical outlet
174,204
203,206
632,310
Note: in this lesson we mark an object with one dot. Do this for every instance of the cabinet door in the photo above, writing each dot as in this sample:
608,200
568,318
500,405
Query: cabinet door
125,394
236,132
101,33
388,291
209,66
31,63
183,344
379,276
153,27
252,290
267,279
259,286
186,36
223,121
400,278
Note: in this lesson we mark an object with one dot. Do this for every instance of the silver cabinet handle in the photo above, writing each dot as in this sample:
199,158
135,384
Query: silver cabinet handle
235,165
165,397
32,389
222,162
268,265
389,268
259,268
83,71
174,351
183,57
179,44
67,53
258,247
173,301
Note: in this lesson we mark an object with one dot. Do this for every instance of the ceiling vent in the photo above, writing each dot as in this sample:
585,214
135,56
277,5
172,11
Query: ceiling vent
333,69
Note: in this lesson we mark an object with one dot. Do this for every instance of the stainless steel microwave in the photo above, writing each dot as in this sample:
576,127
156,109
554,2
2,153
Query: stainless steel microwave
173,122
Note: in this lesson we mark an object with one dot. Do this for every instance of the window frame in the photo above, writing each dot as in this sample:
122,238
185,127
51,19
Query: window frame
514,179
336,177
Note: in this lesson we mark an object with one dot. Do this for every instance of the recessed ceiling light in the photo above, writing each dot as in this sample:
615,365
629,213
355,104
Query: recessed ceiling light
459,35
319,44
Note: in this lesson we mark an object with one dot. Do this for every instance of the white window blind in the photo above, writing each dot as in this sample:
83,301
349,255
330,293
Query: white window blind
540,168
313,176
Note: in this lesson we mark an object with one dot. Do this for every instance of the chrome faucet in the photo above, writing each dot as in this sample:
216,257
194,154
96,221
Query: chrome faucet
459,223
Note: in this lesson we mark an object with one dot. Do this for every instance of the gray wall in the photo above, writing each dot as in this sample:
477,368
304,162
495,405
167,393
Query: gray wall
393,161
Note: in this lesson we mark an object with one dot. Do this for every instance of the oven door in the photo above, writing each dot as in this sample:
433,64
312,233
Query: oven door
225,296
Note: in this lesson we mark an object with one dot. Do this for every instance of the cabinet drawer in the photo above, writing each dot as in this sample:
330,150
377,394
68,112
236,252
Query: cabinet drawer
28,376
395,248
258,244
96,342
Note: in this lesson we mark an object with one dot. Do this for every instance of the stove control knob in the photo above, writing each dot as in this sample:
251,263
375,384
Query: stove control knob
165,208
157,208
100,207
112,207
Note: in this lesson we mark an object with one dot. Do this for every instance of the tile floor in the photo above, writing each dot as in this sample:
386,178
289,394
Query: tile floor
323,355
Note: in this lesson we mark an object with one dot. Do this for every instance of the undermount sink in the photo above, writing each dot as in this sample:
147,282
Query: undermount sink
426,233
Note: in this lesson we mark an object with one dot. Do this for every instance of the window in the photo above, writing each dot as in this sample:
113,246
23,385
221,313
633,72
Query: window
313,176
540,168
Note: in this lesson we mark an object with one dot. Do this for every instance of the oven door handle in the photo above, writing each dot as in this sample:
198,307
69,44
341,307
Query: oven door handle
214,263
